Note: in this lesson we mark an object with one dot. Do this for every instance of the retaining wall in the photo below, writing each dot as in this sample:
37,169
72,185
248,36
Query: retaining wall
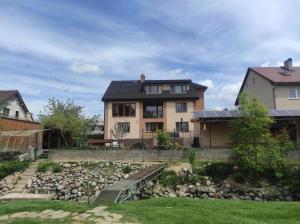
145,155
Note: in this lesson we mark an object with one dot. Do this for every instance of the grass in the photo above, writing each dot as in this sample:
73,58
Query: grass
190,211
174,210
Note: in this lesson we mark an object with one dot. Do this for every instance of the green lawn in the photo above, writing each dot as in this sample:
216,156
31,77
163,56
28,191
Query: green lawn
176,210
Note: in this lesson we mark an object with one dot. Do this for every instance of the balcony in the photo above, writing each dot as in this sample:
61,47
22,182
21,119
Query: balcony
153,110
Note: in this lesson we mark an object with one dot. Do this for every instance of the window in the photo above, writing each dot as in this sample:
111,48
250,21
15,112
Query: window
123,127
182,126
154,126
294,93
153,89
123,110
153,110
178,89
181,107
6,112
17,114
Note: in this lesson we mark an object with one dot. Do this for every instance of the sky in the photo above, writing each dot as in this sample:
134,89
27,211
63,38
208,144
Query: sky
74,49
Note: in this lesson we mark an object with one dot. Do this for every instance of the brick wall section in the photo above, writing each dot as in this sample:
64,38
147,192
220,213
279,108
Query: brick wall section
146,155
10,124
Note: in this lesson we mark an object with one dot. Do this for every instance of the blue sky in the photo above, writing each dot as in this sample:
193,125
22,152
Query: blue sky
73,49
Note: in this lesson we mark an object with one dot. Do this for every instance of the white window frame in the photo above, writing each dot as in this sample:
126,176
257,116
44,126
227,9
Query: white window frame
297,93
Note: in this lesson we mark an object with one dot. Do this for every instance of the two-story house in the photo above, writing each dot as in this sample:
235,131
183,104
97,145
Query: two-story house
13,105
277,87
145,106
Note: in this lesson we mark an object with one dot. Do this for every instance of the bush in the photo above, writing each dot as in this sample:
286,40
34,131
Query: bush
163,140
192,158
169,178
54,167
194,178
218,171
43,167
10,167
127,169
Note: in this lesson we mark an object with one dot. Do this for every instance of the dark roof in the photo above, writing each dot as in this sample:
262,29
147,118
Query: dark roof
6,95
276,75
279,75
228,115
132,90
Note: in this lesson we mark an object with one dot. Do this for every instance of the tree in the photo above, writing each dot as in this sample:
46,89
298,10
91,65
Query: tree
65,116
252,139
119,131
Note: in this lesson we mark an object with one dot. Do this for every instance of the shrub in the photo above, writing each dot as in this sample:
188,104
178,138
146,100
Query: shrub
43,167
56,168
218,171
127,169
10,167
163,140
194,178
192,158
238,177
169,178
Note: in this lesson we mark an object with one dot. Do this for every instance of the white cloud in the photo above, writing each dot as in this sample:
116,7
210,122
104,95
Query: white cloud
207,82
179,73
85,68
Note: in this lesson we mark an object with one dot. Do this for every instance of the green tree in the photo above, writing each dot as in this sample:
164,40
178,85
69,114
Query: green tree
192,159
64,116
252,139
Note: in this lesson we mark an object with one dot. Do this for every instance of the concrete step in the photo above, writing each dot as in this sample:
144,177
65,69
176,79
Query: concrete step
26,196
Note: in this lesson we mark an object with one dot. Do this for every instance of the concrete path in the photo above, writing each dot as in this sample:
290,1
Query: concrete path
95,215
19,192
26,176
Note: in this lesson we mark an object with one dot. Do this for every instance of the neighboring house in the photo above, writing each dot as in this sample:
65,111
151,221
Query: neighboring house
14,105
97,127
276,87
18,131
145,106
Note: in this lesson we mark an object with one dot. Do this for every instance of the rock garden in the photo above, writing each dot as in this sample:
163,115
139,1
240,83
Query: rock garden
78,180
221,180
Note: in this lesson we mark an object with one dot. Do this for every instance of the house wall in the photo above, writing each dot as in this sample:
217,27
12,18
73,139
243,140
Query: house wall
282,98
173,116
13,106
218,132
257,86
110,121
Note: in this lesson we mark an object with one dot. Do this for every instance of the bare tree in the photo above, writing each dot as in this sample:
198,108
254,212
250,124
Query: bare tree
120,130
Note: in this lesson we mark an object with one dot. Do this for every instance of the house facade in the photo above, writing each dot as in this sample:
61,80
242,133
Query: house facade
18,130
145,106
14,106
277,87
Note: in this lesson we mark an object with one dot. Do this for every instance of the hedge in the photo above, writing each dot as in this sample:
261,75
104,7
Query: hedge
10,167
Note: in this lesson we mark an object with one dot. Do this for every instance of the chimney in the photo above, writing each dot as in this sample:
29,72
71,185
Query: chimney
142,78
288,64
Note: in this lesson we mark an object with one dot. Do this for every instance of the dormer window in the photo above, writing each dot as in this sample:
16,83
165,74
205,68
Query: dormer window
177,89
153,89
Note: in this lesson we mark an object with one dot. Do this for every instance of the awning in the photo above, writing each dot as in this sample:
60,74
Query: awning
21,133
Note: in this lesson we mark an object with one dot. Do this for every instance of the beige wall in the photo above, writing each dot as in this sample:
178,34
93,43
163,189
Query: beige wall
137,123
257,86
110,121
282,98
173,117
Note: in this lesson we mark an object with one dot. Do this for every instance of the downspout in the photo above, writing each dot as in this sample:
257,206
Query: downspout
273,90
